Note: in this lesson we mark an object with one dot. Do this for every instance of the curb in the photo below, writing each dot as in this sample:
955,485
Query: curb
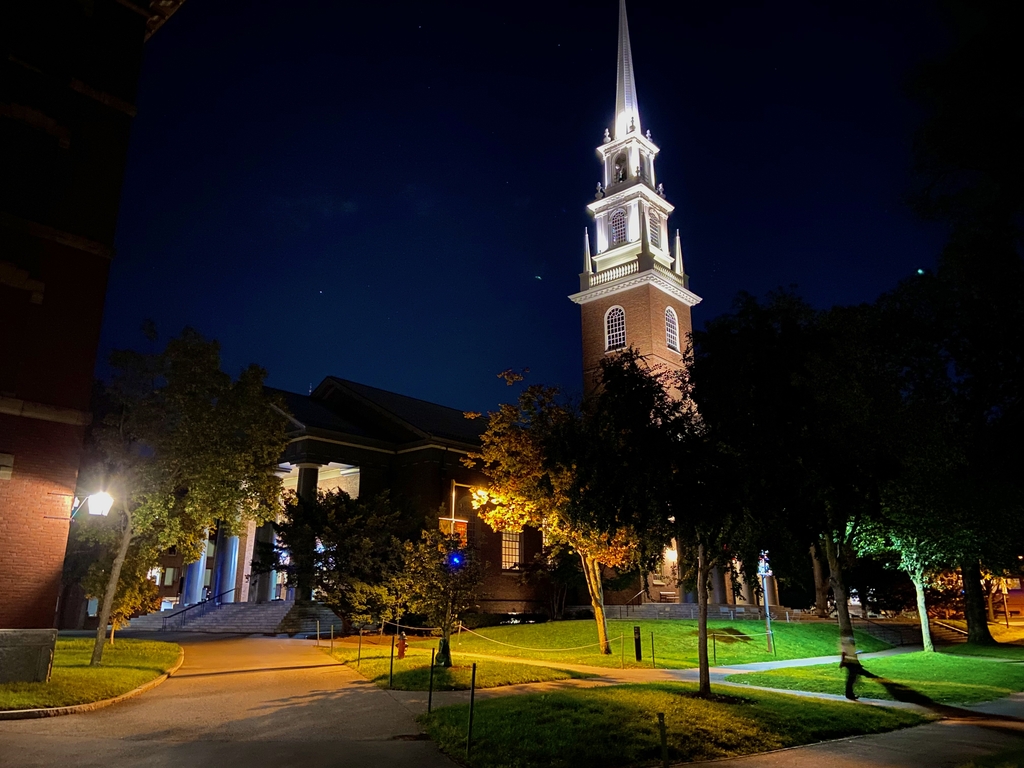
31,714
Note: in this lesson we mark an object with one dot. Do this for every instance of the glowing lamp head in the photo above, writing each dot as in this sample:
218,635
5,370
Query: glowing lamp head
100,503
455,560
671,555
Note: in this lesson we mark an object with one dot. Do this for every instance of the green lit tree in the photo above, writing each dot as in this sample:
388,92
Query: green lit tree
442,576
182,447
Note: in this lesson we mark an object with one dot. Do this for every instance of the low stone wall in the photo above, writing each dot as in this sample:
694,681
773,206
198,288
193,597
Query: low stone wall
26,655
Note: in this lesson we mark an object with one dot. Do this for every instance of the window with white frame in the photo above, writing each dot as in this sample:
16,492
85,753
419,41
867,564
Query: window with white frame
618,227
671,329
615,328
654,222
511,551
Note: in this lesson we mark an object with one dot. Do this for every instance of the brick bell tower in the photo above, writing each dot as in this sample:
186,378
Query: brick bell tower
633,291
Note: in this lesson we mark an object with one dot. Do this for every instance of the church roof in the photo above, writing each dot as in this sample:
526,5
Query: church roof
432,419
359,410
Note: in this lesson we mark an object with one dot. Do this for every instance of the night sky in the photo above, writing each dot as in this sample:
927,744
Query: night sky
394,192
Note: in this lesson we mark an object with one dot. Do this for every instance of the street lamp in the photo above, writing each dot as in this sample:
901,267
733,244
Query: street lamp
100,503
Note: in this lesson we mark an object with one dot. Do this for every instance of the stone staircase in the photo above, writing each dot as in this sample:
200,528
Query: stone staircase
227,618
302,619
944,635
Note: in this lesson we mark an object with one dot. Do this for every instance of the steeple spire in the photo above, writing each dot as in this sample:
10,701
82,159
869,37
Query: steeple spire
588,264
627,113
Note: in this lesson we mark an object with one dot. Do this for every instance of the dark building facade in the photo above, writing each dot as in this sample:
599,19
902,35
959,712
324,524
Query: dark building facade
67,92
366,441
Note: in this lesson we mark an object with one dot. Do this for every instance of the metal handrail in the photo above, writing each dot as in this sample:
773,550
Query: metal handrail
891,630
203,605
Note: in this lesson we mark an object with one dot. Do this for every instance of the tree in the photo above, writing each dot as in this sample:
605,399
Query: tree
181,446
586,476
970,176
442,576
136,591
347,548
801,399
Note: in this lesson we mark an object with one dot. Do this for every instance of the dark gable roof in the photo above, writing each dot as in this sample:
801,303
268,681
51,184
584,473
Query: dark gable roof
311,413
339,405
436,420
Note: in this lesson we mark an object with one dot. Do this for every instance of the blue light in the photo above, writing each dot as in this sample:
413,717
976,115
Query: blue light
456,560
920,271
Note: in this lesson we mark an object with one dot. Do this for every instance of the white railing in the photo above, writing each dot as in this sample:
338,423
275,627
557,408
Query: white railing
608,275
668,273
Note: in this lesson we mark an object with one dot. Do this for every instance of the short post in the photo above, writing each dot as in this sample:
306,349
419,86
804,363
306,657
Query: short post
664,740
622,651
430,688
472,701
654,664
636,644
787,617
458,636
714,649
332,638
391,672
359,650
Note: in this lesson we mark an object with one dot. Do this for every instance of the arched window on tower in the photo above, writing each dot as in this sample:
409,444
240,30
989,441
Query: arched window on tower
618,228
671,329
615,329
654,224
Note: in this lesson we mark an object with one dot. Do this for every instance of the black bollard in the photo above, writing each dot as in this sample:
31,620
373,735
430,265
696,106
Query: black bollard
391,673
472,700
430,690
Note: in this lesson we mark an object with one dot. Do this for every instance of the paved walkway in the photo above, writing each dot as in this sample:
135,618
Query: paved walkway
239,702
235,703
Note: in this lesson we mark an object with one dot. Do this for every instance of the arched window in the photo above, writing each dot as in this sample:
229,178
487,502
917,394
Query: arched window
671,329
617,227
654,223
615,328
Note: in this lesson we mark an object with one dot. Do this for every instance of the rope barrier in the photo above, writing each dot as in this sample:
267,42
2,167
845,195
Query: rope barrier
541,650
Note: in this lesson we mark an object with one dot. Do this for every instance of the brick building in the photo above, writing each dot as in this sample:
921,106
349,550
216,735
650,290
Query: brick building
364,441
67,93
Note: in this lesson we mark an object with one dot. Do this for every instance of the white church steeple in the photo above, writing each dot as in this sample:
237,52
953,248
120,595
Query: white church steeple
631,279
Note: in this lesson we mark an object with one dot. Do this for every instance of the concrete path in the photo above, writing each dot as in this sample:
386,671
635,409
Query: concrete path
235,703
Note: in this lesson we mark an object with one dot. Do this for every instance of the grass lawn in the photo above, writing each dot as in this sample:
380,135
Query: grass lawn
126,665
413,672
1001,651
675,642
942,678
618,726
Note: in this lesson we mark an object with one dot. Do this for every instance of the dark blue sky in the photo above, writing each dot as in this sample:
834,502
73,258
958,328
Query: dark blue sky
394,193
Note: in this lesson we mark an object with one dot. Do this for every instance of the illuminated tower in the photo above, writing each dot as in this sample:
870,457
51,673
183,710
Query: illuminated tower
633,291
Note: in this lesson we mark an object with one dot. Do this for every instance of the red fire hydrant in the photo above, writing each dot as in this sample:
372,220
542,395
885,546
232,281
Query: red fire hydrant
402,645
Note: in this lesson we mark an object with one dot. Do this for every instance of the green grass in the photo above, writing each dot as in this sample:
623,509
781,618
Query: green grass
675,642
126,665
413,672
1000,651
942,678
617,726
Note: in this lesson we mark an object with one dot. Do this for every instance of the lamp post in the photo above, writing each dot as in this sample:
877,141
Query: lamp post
764,571
100,505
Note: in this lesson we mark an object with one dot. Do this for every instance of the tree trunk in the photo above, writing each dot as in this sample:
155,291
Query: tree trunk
112,628
108,595
702,620
974,604
820,582
922,610
839,591
592,572
989,589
